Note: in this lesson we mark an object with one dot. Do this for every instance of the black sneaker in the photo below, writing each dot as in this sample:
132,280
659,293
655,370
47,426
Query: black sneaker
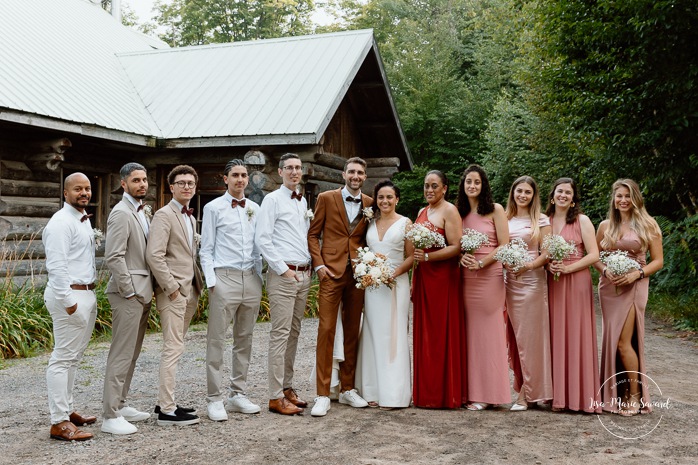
181,419
178,410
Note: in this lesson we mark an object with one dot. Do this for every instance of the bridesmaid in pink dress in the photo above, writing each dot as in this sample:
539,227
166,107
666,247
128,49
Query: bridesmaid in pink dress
575,355
624,297
484,294
528,325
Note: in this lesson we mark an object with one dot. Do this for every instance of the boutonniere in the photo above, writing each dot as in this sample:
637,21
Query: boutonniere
197,239
368,213
148,211
98,235
309,215
250,213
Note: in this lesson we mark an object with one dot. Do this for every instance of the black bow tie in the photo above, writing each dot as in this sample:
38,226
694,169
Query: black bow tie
188,211
237,202
352,199
296,195
85,217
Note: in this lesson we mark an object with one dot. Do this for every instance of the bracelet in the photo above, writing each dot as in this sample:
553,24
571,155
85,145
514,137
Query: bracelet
604,272
426,257
642,273
480,264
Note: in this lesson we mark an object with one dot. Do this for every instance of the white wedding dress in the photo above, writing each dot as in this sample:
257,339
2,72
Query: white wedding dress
383,365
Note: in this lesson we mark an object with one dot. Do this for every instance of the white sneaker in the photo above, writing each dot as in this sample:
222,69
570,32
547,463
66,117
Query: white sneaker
132,414
352,398
216,411
321,407
118,425
241,404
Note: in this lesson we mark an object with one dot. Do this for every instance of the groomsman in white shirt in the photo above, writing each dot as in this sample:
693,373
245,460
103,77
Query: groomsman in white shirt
282,236
70,299
232,266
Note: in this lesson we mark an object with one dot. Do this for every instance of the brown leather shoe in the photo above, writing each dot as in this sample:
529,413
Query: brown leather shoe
292,397
284,407
79,420
66,431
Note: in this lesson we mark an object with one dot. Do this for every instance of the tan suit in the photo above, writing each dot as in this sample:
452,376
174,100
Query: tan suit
130,291
339,244
172,259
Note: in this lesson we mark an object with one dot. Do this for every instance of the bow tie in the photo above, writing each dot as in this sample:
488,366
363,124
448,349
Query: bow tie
237,202
352,199
140,207
187,211
85,217
296,195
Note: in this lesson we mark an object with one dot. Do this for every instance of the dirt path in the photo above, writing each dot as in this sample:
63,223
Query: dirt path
345,435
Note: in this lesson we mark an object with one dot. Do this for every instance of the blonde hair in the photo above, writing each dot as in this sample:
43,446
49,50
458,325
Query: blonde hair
640,221
533,208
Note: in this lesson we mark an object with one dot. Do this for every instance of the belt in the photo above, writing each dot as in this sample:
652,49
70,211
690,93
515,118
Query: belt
298,267
82,287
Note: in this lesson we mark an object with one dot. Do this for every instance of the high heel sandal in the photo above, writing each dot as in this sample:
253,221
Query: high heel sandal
632,407
478,406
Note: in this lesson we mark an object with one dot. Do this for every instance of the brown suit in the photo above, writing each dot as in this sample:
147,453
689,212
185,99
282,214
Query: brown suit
339,244
172,259
130,291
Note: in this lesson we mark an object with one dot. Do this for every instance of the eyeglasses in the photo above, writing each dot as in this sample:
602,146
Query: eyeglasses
293,168
183,184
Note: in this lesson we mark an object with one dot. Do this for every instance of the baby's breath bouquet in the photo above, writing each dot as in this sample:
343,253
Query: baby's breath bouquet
514,254
558,249
425,236
619,263
371,270
471,240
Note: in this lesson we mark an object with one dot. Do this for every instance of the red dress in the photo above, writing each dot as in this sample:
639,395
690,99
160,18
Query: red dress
439,333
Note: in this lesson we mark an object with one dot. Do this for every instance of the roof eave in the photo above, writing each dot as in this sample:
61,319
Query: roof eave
236,141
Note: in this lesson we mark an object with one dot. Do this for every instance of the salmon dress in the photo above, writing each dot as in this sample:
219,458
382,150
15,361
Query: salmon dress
615,305
575,357
439,333
528,323
484,296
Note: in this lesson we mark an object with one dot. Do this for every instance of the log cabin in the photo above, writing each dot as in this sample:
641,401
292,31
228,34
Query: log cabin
81,92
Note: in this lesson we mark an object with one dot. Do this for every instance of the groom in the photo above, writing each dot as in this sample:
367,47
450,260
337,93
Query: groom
340,224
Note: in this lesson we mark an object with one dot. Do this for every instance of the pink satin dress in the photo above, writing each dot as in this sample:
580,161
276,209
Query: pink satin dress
615,305
485,329
575,355
528,325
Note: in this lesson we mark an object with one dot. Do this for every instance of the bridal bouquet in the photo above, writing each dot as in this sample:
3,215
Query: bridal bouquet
558,249
514,254
425,236
371,269
472,240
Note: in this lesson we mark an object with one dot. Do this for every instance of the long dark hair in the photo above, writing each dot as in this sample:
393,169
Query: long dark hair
574,209
379,186
485,204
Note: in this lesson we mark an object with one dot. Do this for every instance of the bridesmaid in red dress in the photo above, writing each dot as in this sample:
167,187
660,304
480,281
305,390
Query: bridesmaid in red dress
484,294
439,332
575,357
624,297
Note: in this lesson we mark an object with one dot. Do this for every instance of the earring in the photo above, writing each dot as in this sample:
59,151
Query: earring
552,202
573,204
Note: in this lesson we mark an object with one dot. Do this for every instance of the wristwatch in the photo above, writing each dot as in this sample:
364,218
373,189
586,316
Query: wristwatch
480,264
426,257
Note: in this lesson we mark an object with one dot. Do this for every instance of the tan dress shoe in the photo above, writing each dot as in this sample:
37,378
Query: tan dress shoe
66,431
292,397
79,420
284,407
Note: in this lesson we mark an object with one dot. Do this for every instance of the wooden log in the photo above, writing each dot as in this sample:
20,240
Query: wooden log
29,206
382,172
20,227
36,281
59,145
22,249
313,171
51,160
383,161
34,267
326,186
30,188
11,169
327,159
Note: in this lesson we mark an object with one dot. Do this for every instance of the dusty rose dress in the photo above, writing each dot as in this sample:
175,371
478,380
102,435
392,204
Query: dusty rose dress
439,333
528,325
485,329
615,306
573,334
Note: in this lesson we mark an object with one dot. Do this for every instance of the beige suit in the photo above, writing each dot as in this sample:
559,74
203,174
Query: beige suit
130,291
172,259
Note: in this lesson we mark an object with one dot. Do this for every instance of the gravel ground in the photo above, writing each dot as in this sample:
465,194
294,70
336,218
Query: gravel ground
345,435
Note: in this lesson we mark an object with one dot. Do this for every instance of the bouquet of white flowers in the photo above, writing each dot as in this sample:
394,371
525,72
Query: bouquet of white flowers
514,254
558,249
371,269
471,240
619,263
425,236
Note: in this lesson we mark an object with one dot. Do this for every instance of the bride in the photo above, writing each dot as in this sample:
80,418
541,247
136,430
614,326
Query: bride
383,366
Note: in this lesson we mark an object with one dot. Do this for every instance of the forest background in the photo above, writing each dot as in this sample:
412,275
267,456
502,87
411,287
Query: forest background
591,89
